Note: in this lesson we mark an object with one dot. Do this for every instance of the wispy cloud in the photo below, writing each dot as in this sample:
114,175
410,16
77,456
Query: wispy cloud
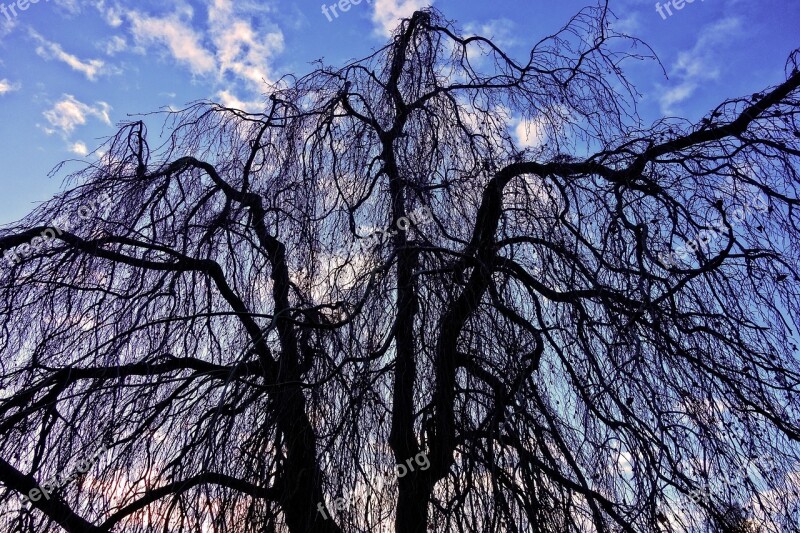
70,6
234,50
699,64
499,31
111,13
69,113
115,44
630,24
174,32
388,12
241,49
228,99
90,68
7,87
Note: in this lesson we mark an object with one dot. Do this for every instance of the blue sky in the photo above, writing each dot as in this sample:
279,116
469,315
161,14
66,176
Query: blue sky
72,69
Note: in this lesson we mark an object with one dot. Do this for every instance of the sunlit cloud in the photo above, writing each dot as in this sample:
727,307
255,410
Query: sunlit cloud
7,87
115,45
79,148
388,13
228,99
241,49
69,113
112,14
234,51
530,133
174,32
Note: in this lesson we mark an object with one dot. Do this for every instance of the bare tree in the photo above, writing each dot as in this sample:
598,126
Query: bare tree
590,333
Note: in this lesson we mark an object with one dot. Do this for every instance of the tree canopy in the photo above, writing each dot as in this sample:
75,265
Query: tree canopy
595,331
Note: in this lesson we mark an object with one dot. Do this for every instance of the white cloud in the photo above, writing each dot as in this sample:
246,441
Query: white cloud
624,463
676,95
534,132
70,6
530,133
49,50
228,99
111,14
177,35
389,12
68,113
499,31
7,87
79,148
115,45
236,48
699,64
241,49
628,25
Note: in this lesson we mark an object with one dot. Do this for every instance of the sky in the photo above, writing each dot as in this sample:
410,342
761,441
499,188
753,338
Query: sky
72,70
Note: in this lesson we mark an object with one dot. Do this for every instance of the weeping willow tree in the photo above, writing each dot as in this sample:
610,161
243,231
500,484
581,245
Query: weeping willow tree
587,332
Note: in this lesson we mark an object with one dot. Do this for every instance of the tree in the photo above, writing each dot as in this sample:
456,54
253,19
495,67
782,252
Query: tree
536,342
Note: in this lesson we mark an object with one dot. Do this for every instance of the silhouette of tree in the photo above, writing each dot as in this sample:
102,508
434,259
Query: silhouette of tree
535,342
